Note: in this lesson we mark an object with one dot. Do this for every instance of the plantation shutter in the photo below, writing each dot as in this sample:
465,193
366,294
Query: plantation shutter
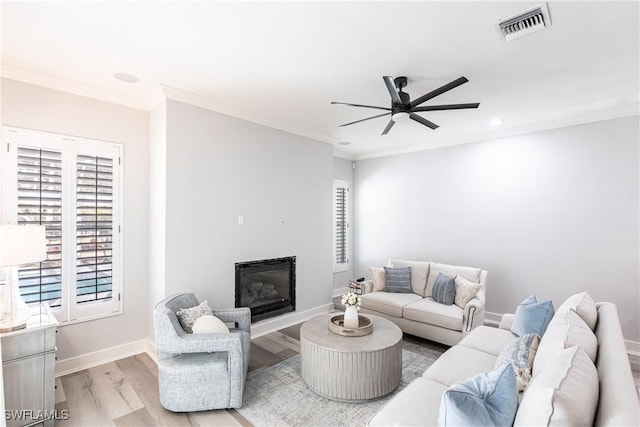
340,225
94,228
39,190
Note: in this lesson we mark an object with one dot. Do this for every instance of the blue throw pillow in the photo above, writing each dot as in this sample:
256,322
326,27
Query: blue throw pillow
532,317
489,399
398,280
444,289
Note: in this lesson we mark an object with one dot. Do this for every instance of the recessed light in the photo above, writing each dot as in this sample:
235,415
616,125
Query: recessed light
127,78
344,143
496,122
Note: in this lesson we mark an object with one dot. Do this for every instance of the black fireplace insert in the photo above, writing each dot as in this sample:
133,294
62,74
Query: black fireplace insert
267,287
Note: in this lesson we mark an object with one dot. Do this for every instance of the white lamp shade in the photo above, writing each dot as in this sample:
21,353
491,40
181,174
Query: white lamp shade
22,244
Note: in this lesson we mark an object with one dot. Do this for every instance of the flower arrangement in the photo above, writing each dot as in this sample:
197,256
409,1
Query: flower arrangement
351,299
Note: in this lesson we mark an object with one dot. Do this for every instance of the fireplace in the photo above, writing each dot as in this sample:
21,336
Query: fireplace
267,287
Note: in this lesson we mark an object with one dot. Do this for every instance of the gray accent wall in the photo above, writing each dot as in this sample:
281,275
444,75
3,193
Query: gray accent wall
549,213
219,168
35,107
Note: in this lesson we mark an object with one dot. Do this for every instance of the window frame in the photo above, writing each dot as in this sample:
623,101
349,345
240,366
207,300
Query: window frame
69,311
339,267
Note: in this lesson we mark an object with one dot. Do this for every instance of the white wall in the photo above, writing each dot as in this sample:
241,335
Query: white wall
34,107
220,167
550,213
342,169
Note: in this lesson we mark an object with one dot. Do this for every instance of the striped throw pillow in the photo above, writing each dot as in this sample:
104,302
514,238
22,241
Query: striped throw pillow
398,280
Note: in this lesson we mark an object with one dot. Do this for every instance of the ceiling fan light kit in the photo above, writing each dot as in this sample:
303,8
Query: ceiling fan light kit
403,109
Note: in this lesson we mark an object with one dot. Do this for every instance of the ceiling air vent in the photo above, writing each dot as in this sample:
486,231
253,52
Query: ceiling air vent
524,23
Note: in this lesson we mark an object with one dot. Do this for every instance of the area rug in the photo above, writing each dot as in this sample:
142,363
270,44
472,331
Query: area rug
277,396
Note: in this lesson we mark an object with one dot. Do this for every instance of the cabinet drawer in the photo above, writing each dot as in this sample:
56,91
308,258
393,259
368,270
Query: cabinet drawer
28,344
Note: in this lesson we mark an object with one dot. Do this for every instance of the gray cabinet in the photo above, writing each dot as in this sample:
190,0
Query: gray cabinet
28,369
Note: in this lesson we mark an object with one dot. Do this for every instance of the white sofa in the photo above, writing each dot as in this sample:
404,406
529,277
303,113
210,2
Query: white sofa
417,313
577,399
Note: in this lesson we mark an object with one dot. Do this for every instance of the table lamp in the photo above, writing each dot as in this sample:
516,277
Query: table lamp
19,245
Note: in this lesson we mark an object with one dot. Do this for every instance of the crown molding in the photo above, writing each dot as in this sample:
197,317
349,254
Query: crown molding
64,85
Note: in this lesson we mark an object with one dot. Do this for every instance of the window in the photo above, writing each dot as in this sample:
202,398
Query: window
341,226
73,187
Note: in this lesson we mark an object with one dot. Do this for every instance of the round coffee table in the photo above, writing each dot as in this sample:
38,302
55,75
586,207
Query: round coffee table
351,369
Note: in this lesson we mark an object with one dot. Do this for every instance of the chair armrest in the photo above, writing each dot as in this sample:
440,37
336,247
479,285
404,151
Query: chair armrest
241,316
507,321
204,343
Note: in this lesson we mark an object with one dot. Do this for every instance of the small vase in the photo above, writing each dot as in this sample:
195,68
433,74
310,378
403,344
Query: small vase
351,317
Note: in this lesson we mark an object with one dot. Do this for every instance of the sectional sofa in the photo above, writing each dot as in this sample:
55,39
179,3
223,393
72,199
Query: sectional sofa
566,388
416,312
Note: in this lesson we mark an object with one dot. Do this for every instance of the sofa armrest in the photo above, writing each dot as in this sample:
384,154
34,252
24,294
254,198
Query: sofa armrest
367,286
507,321
473,315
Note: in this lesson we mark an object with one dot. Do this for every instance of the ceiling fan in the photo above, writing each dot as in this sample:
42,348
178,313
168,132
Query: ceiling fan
402,108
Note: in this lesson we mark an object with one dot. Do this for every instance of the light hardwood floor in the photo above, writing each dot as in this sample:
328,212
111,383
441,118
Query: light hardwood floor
125,392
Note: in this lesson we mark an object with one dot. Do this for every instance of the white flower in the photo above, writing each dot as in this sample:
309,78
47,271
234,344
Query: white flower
351,299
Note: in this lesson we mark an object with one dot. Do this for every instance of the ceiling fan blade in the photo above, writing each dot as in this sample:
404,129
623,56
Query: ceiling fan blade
362,120
446,107
361,105
388,80
423,121
442,89
389,126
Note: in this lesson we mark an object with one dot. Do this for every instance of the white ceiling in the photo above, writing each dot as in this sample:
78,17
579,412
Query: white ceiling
282,63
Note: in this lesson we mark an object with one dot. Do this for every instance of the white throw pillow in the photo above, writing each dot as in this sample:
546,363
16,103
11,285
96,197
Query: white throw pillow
209,325
377,275
565,330
465,291
564,394
582,304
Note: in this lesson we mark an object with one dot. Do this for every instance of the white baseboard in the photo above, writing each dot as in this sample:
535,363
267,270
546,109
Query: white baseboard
492,319
264,327
89,360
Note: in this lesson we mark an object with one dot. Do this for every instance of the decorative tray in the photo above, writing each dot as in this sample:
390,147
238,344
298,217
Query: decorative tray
336,325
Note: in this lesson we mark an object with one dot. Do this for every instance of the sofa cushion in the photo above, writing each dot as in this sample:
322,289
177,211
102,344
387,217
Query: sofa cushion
488,339
582,304
459,363
388,302
520,354
465,291
469,273
416,405
489,399
565,330
426,310
419,273
398,280
444,289
564,394
377,275
532,317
